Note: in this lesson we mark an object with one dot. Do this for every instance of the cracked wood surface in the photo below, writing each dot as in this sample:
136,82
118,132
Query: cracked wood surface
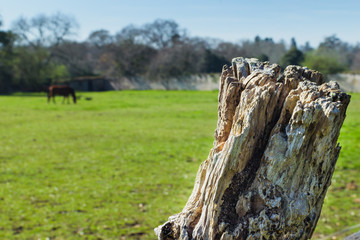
274,153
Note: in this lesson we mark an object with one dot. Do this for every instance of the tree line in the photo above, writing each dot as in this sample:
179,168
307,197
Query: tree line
39,51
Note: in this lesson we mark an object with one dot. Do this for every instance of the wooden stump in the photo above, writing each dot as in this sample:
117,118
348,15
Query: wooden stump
274,153
355,236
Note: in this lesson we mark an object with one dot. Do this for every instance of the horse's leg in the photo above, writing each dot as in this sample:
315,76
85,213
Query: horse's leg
74,98
49,95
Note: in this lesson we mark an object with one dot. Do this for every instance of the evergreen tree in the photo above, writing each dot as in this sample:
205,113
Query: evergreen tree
292,57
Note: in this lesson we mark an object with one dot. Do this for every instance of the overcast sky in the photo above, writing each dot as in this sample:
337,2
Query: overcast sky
231,20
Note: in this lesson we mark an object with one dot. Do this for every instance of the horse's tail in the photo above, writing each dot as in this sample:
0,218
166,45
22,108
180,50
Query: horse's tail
73,95
49,93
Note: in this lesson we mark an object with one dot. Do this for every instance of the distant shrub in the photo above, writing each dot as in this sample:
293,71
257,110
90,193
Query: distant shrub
324,63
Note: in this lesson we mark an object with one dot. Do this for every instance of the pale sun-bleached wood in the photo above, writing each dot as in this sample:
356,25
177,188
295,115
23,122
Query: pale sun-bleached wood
274,153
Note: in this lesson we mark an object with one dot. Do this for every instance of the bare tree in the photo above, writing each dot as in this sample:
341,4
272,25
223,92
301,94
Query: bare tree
162,33
180,59
79,58
100,38
355,66
264,46
44,31
229,50
38,37
130,34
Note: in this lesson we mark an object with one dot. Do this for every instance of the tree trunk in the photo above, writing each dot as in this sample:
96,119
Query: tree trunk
274,153
355,236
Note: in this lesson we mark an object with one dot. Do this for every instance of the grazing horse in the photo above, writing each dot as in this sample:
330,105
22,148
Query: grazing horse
62,91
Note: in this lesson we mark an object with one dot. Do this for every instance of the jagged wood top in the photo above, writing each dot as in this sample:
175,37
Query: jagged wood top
274,154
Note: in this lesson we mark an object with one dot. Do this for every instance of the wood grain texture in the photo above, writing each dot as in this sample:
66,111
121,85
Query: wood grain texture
274,153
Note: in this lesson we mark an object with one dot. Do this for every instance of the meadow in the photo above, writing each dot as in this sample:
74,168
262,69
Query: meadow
118,164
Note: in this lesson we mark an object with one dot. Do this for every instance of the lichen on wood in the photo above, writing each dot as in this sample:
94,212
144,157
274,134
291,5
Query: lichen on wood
274,153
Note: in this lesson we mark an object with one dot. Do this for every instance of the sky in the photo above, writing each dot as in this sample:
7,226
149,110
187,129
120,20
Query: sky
230,20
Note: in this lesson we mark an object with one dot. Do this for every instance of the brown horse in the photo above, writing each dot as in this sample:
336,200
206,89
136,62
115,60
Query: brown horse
62,91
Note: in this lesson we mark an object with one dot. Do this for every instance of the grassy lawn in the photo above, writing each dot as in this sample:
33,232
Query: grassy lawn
120,164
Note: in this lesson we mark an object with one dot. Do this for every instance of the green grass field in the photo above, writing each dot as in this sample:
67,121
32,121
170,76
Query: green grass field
120,164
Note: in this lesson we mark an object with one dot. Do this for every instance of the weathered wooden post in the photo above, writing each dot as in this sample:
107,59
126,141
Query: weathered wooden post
274,153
